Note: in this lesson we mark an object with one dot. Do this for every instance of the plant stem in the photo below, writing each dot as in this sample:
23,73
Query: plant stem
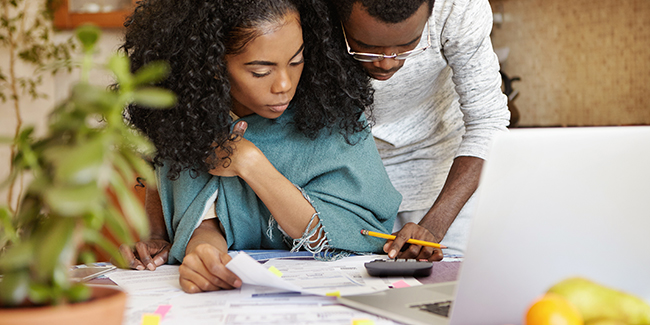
14,97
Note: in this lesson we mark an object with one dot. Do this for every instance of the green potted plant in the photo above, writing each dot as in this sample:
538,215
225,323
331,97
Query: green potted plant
29,52
87,152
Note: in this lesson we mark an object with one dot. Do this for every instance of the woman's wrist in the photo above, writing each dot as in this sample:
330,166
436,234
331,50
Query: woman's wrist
250,163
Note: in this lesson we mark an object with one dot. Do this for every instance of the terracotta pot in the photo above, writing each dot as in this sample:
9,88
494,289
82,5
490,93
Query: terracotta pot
106,307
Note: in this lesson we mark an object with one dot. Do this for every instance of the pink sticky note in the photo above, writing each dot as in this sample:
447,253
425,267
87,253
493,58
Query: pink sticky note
400,284
162,310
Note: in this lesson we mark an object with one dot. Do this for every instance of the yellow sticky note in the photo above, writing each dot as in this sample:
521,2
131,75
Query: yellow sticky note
363,322
275,271
334,294
150,319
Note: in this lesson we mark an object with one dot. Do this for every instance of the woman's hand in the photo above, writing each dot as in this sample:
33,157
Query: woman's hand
154,252
243,157
204,269
204,264
148,254
287,204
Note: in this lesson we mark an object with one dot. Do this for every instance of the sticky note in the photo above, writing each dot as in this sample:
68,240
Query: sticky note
275,271
363,322
334,294
150,319
400,284
162,310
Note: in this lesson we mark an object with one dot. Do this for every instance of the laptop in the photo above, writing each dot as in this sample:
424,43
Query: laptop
553,203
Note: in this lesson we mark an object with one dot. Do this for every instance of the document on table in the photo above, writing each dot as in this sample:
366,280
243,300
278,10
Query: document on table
252,272
147,290
346,276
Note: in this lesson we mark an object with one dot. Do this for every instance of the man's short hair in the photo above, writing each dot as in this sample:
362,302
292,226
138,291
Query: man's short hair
389,11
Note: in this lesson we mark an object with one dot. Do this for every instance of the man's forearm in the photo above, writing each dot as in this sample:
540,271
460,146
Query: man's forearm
461,183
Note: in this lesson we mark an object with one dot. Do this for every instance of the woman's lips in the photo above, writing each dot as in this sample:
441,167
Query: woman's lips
279,107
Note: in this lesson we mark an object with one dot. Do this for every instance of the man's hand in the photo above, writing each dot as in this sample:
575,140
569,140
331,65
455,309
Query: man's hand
148,254
411,230
204,269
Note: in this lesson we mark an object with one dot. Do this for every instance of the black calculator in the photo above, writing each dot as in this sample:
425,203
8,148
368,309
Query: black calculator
399,267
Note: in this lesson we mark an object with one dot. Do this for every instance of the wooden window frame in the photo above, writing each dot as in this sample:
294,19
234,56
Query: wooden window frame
64,19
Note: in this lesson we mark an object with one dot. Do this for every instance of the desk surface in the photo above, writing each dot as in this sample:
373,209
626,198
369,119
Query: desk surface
442,272
229,307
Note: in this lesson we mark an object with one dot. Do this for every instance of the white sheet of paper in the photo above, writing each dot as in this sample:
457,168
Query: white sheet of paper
164,278
252,303
347,276
252,272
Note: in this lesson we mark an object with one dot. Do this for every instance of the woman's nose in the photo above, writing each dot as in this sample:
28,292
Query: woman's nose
282,83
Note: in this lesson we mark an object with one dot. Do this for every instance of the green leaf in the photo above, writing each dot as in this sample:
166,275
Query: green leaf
56,248
30,208
78,293
88,36
94,219
92,99
25,134
117,226
134,143
7,225
142,167
73,201
154,97
122,166
86,257
130,206
105,245
14,287
77,165
151,73
40,294
6,140
121,67
60,282
17,257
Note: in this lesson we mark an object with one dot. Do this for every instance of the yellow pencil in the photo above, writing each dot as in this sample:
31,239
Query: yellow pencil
410,241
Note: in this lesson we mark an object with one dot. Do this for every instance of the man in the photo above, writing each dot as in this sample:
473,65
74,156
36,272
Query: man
438,102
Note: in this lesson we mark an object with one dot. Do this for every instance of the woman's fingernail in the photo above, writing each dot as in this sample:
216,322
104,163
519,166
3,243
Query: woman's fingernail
139,267
241,126
392,253
159,261
151,267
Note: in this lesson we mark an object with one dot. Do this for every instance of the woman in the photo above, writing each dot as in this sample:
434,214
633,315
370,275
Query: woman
306,173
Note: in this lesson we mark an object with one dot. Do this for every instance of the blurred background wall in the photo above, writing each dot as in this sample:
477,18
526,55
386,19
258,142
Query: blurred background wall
581,62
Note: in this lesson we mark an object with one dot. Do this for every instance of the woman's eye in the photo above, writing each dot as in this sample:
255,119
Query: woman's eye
299,61
260,75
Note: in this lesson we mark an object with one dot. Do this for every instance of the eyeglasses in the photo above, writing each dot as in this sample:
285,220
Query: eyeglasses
373,57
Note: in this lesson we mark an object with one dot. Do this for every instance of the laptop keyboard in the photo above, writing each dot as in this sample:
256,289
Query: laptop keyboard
439,308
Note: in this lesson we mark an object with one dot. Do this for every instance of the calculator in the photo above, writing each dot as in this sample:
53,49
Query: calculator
399,267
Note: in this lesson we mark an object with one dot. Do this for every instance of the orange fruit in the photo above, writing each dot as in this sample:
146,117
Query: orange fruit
552,309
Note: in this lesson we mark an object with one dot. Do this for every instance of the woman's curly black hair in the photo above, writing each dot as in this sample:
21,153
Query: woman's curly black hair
194,37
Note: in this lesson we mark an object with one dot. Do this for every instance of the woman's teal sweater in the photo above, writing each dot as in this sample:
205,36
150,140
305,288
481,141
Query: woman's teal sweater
346,184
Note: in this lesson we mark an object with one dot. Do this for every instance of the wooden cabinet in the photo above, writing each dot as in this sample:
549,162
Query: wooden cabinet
70,14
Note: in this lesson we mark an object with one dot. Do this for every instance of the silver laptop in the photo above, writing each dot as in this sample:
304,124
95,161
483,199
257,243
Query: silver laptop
553,203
